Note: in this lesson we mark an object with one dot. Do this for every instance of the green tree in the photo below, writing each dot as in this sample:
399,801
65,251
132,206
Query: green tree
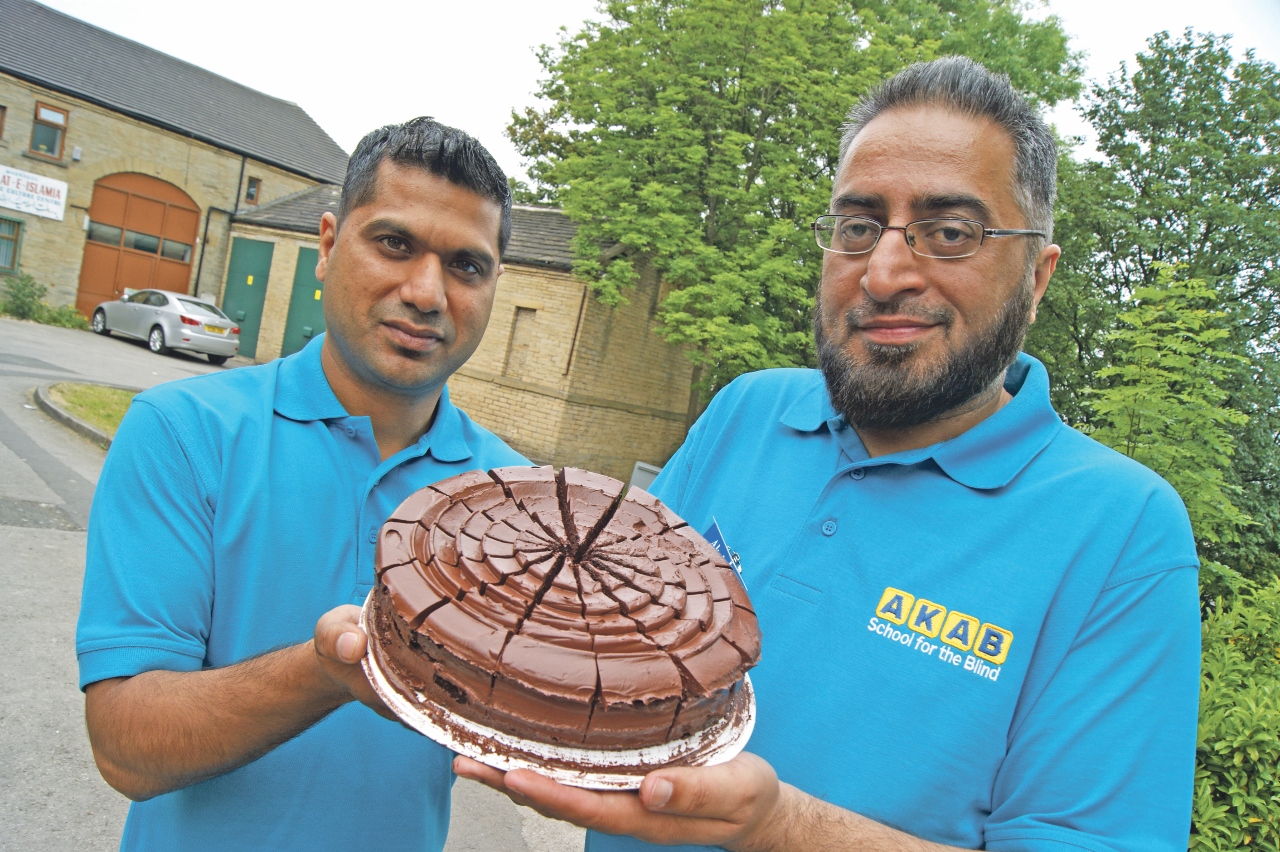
699,137
1237,781
1188,175
1163,404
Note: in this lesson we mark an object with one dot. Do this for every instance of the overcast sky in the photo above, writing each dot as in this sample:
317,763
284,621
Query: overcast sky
469,64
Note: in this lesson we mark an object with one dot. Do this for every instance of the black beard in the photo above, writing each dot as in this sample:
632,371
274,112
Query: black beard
887,392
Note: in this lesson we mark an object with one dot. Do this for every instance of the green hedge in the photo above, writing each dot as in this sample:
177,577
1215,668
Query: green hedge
24,299
1237,792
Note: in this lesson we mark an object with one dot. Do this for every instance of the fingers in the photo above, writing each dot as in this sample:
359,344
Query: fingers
712,805
338,636
583,807
340,645
473,770
735,791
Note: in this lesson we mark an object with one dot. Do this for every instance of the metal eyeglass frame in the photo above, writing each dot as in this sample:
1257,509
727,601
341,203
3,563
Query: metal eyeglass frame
910,240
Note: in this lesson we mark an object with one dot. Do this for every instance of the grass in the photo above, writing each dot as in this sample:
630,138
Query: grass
99,406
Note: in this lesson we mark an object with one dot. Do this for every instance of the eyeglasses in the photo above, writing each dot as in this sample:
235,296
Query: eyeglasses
944,238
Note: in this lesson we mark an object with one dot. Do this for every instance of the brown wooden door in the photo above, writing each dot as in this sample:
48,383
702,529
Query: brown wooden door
142,234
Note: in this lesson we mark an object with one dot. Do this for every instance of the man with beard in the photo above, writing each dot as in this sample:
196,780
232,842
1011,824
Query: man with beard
980,626
234,510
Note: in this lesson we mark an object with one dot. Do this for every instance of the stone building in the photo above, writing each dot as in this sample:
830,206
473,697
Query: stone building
121,166
565,379
559,376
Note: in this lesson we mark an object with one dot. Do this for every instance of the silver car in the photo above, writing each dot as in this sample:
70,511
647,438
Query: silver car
170,321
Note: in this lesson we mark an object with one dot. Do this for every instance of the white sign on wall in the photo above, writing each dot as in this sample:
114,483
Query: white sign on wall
32,193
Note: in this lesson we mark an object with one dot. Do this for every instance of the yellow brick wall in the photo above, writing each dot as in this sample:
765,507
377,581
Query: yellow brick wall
51,251
621,398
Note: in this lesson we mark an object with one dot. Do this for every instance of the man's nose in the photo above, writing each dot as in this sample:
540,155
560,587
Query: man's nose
892,267
425,286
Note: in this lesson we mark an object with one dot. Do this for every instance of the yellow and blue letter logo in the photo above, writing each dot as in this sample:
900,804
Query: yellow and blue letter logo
993,644
960,630
895,605
927,618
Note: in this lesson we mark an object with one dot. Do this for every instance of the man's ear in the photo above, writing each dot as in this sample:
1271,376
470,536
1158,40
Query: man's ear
328,237
1046,263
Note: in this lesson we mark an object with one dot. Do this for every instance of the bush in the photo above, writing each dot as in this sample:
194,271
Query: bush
65,316
24,299
1237,786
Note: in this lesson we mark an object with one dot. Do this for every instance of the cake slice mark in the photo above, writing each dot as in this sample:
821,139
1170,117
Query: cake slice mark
584,549
595,702
676,716
689,684
552,536
623,606
566,516
582,593
541,592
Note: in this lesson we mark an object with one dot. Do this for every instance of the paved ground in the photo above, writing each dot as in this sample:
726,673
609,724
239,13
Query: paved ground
51,796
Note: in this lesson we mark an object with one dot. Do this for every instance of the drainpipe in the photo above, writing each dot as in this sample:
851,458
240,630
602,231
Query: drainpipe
204,240
235,205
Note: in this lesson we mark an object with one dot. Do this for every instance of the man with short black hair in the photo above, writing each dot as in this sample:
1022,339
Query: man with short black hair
980,626
235,510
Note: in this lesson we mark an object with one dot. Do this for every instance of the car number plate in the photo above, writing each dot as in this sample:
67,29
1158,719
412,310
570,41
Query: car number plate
215,329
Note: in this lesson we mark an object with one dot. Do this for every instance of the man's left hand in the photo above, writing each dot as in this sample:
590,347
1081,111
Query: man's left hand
734,804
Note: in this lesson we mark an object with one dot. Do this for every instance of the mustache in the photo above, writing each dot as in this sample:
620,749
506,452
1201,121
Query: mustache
429,320
899,306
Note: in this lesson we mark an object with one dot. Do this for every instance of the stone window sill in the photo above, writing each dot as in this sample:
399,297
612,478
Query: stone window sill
30,156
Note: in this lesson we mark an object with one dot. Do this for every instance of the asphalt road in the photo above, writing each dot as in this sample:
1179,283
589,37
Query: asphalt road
51,796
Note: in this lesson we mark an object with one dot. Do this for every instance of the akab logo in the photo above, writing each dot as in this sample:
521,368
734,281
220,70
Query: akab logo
956,629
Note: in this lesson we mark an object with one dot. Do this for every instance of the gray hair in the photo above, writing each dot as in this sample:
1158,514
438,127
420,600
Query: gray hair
960,84
437,148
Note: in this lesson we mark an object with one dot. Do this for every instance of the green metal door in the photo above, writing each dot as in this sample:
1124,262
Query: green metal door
306,316
246,289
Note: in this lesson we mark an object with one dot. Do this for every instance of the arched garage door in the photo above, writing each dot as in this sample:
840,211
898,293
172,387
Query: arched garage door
142,233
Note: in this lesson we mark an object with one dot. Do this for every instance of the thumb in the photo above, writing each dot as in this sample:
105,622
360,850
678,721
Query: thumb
732,791
338,635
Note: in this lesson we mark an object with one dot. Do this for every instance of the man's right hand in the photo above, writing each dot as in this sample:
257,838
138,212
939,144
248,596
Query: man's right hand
340,645
161,731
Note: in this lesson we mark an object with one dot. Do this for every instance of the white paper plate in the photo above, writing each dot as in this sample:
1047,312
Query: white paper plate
597,769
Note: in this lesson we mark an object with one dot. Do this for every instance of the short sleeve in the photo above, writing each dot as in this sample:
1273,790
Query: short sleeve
1105,759
148,583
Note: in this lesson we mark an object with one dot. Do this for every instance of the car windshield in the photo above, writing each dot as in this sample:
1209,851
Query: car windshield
201,309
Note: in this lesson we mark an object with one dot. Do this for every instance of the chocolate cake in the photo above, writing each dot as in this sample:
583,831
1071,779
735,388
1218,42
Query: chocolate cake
550,607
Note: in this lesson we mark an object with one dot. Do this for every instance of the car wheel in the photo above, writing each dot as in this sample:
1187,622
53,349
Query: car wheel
99,324
217,360
155,341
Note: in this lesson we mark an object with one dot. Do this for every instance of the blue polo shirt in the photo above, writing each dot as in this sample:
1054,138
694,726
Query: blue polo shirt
232,512
992,642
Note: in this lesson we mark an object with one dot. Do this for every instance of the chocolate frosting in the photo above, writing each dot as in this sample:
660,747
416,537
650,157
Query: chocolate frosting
551,607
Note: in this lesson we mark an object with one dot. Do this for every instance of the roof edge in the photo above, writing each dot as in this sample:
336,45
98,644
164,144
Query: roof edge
145,119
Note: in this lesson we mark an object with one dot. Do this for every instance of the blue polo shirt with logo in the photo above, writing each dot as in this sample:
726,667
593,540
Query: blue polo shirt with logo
992,642
232,512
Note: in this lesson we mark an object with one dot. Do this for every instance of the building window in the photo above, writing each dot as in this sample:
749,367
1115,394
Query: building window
141,242
49,131
252,190
9,233
3,112
108,234
175,251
